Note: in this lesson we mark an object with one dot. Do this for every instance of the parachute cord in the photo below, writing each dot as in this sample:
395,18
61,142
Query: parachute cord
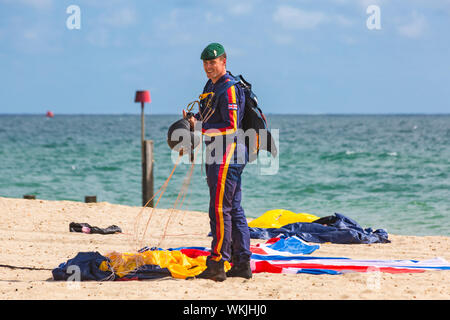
203,96
164,187
183,192
138,217
190,106
185,234
208,114
24,268
184,187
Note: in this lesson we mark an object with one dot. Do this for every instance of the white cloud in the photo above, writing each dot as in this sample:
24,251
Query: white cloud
349,40
103,32
173,28
119,18
235,51
359,3
415,27
41,4
293,18
100,37
171,21
343,21
240,8
38,38
366,3
38,4
31,34
283,38
213,18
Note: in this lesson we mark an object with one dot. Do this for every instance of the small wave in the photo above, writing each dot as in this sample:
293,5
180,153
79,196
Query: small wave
107,168
393,154
348,154
54,145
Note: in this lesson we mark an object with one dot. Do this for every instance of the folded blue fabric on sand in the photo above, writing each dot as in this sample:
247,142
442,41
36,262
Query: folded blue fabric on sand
83,267
335,229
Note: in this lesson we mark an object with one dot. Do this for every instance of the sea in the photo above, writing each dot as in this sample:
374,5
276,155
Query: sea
384,171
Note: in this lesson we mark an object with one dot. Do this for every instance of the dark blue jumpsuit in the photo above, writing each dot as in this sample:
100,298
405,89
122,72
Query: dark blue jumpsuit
229,227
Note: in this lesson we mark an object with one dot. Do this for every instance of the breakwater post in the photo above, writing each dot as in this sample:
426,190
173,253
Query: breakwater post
90,199
146,152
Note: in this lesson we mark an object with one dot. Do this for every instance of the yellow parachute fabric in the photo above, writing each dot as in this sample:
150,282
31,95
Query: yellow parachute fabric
279,217
180,265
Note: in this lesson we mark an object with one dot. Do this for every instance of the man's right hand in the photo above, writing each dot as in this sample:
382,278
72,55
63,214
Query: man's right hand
191,120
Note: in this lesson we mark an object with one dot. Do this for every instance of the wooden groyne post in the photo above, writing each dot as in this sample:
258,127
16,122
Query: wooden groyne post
90,199
146,152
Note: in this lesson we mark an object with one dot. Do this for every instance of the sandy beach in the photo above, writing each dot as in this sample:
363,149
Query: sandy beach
35,233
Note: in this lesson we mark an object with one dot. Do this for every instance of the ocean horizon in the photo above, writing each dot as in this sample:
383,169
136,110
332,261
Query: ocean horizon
147,113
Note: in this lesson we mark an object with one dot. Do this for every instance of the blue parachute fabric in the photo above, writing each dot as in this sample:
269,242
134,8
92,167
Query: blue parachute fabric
293,245
267,257
335,229
147,272
87,263
318,271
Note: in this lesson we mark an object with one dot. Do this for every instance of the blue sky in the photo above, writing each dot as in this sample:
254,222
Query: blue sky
305,56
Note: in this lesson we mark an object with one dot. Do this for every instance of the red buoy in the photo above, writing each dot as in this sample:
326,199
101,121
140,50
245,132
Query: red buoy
49,114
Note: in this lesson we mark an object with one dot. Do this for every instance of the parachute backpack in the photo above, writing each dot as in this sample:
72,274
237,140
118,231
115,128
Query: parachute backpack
254,124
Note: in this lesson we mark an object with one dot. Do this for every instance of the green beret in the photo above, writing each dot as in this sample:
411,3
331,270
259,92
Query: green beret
212,51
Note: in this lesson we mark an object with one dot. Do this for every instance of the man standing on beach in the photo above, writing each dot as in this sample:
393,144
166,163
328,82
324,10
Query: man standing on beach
225,101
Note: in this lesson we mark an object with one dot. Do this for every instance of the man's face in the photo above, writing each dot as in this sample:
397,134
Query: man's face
215,68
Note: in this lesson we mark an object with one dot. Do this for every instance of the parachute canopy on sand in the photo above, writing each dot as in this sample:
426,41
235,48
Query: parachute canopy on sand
181,264
335,229
277,255
279,217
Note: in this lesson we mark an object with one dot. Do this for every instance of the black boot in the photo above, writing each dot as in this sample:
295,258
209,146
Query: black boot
240,269
214,271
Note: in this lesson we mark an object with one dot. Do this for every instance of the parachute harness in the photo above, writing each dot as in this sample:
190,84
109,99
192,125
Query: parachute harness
208,109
